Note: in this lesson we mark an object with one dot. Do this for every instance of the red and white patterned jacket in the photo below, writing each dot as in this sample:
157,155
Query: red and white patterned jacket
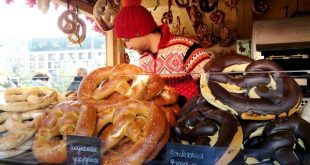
179,60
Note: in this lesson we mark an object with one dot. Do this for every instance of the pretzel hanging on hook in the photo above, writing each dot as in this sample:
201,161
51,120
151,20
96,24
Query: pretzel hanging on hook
167,16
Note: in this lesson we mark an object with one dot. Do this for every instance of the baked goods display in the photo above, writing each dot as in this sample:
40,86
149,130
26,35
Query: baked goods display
246,107
203,124
25,99
22,111
107,86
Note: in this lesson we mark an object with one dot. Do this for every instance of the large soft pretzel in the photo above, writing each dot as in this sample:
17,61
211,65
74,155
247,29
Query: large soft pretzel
127,80
24,99
131,131
264,92
202,124
104,13
66,118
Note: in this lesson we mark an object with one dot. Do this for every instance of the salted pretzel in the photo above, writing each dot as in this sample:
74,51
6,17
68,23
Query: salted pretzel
67,22
17,128
127,80
203,124
263,92
104,13
25,99
281,140
131,131
66,118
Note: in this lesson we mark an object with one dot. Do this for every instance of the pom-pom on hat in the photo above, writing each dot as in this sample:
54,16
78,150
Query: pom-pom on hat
133,20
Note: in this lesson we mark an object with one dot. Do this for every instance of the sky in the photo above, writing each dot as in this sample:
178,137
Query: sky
19,20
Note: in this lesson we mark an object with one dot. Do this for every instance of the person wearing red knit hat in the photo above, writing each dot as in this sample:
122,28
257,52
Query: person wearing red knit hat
177,59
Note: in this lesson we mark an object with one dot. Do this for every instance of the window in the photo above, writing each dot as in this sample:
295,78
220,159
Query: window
42,45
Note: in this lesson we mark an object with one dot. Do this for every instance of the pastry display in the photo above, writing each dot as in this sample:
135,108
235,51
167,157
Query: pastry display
25,99
246,107
22,112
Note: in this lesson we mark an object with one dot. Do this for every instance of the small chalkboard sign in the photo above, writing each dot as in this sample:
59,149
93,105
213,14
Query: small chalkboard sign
82,150
180,154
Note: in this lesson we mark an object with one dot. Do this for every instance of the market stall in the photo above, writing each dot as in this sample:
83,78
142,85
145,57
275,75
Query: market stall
247,109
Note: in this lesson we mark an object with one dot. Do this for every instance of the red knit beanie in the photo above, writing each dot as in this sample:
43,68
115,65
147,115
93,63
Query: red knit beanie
133,20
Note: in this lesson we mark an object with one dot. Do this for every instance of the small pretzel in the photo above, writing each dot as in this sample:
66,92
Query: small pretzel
79,36
131,132
66,118
24,99
217,17
67,22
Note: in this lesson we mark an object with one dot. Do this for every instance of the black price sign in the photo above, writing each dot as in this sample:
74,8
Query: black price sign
83,150
179,154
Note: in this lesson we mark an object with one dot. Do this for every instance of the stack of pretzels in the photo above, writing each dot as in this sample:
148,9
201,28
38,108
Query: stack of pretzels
135,111
264,99
21,114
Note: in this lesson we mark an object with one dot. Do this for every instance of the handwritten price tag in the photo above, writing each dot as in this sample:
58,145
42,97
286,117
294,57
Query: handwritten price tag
179,154
83,150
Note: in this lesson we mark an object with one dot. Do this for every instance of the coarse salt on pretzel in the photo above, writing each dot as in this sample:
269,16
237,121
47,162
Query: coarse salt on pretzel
126,79
264,92
135,125
25,99
66,118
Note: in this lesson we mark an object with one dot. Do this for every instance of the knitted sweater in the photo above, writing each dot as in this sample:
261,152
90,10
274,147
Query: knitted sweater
179,60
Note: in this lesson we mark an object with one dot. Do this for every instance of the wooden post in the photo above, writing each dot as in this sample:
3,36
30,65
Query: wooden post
115,49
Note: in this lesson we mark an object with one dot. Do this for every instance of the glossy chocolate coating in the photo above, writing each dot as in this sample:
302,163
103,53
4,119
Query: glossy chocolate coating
282,99
279,140
201,120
